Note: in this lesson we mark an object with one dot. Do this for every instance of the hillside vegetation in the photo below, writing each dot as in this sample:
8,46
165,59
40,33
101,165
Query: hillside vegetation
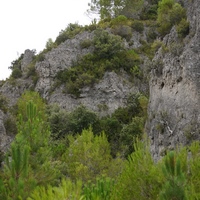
57,154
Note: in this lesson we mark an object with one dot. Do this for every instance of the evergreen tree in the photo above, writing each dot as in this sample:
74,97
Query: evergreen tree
66,190
17,180
88,157
140,178
35,133
114,8
174,187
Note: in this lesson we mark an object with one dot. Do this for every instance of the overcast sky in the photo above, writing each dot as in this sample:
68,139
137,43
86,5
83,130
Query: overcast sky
28,24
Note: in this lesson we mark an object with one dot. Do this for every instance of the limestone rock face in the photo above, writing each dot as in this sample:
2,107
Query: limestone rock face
4,138
105,97
13,89
59,59
27,58
174,105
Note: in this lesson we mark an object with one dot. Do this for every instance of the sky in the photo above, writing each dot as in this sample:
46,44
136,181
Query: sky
28,24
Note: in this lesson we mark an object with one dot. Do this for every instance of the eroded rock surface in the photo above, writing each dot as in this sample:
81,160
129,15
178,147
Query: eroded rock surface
174,106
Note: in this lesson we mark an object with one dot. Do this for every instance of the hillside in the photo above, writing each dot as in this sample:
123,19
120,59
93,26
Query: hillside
134,73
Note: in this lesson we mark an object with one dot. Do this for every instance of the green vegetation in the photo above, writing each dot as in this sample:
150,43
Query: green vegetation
58,154
69,33
81,165
109,55
174,187
114,8
170,14
121,128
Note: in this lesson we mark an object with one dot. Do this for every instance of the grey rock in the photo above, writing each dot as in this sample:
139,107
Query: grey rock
4,138
111,92
27,59
174,105
58,59
13,89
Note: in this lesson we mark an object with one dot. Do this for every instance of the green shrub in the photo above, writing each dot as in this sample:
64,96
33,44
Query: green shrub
149,12
124,31
152,34
156,45
100,190
31,96
130,132
175,181
50,44
88,156
183,28
177,13
90,27
70,32
140,179
16,73
169,14
31,72
81,118
63,123
66,190
119,20
106,45
137,26
85,43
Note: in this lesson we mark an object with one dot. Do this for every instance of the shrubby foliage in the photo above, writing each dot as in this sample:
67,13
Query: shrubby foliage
170,14
70,31
83,167
109,54
114,8
88,157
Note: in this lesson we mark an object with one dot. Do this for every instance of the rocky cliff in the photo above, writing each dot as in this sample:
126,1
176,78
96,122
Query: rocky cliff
174,104
104,97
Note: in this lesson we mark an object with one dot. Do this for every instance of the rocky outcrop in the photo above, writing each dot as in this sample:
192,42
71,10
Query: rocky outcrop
27,59
58,59
13,89
174,106
104,98
5,140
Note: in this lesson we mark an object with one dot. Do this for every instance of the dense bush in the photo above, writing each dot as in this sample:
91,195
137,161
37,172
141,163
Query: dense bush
85,43
137,26
63,123
150,12
124,31
106,45
16,73
88,157
71,31
119,20
169,14
183,28
139,179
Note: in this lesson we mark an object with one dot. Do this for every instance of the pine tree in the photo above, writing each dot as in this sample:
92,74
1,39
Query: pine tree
174,187
17,181
35,133
66,190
